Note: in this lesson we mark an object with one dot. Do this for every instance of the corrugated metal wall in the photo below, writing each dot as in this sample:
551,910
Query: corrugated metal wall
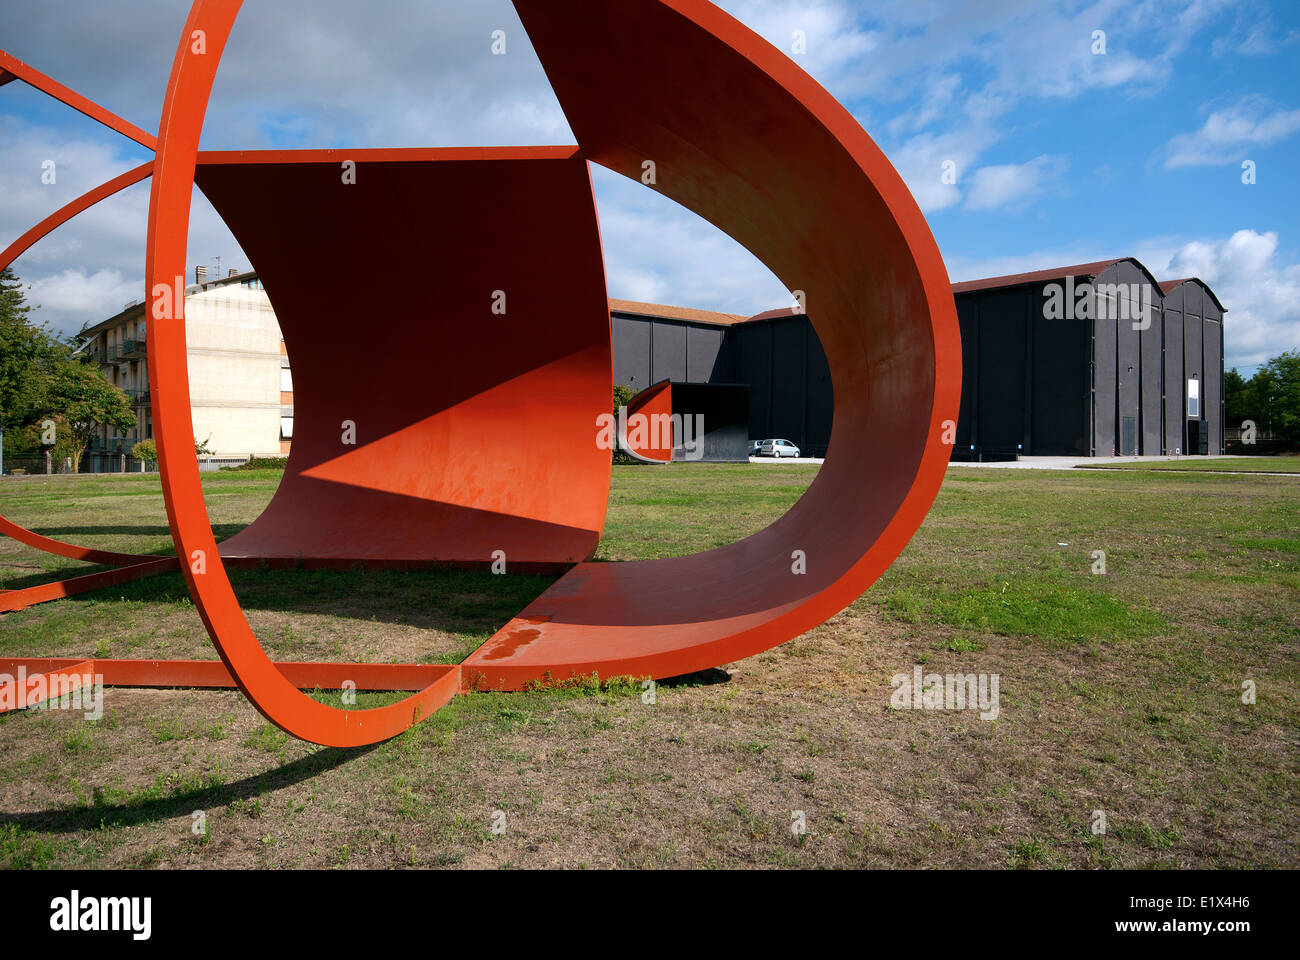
968,313
1068,386
1151,356
1105,381
632,352
1212,334
781,360
1193,351
1059,400
1000,397
1025,376
1175,405
647,350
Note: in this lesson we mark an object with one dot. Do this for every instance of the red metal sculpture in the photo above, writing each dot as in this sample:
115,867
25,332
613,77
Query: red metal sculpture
641,427
472,369
498,451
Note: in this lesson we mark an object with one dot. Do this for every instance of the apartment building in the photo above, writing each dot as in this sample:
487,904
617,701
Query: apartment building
241,387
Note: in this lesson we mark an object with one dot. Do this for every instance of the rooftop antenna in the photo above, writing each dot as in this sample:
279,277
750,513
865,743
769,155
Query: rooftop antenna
218,267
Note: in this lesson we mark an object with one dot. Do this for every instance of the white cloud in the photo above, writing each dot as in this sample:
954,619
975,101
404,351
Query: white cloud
311,73
925,158
1248,274
936,104
836,45
95,296
1229,133
965,67
1261,292
894,49
660,252
1254,34
1013,185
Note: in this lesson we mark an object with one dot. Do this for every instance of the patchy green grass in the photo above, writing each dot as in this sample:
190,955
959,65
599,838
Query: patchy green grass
1120,692
681,508
24,850
1042,607
1289,464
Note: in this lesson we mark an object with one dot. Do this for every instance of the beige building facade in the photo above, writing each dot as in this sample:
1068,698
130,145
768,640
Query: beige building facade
241,389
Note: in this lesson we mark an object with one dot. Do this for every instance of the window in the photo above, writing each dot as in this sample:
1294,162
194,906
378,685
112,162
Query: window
1193,400
286,428
286,380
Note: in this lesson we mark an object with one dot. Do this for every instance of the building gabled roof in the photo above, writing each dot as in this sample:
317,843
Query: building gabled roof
222,281
1167,287
778,314
128,312
661,312
1088,270
1040,276
134,309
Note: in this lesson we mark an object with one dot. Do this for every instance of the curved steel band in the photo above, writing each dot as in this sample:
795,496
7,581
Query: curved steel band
739,135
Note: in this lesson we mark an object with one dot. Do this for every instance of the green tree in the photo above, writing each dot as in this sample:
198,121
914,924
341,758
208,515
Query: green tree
30,441
1234,399
85,401
622,396
1278,393
145,450
25,355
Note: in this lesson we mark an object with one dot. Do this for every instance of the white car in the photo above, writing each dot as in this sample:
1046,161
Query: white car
777,448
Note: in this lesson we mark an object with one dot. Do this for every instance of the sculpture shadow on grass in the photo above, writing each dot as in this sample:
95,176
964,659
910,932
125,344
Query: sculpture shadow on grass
452,600
93,815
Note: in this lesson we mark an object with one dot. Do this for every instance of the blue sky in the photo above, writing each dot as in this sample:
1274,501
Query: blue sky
1061,154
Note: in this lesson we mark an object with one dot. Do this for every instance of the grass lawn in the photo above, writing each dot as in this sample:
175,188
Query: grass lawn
1198,465
1119,693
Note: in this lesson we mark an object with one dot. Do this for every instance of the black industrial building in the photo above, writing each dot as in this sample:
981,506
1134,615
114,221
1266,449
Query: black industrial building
1093,360
777,355
1098,359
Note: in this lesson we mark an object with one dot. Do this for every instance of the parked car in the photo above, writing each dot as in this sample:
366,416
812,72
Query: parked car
777,448
753,447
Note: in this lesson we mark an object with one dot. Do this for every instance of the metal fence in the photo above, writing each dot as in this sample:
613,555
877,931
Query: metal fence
90,463
102,463
1234,433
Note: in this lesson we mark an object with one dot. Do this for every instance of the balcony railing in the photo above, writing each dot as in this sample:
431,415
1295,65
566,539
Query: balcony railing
132,349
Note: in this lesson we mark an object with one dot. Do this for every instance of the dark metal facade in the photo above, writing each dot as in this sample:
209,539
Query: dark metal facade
780,359
1104,373
650,349
722,409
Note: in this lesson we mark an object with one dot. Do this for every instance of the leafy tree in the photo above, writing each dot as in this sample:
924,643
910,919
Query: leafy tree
25,355
79,339
622,396
1278,393
30,442
85,401
65,444
145,450
1234,399
1271,398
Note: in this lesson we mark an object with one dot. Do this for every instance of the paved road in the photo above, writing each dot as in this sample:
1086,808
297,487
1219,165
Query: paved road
1049,463
1068,463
